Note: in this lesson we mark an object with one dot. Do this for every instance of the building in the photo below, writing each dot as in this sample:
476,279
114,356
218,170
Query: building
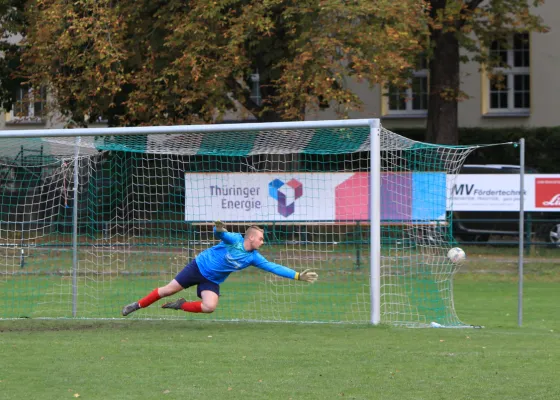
533,83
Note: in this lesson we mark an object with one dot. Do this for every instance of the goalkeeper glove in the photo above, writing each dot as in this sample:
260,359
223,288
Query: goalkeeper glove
307,276
220,226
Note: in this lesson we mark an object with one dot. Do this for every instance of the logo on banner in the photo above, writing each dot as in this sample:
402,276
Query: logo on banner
285,194
547,192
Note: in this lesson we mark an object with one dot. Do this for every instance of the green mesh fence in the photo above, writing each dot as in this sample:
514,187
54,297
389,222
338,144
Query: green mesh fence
143,207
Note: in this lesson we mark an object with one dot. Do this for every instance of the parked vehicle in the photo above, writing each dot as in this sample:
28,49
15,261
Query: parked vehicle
478,226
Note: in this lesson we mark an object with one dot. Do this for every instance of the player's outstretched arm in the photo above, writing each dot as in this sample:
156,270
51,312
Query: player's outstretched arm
307,276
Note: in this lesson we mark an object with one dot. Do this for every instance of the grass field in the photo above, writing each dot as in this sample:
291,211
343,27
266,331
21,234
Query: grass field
186,359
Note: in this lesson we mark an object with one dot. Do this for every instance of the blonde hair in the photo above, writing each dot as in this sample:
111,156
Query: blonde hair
252,229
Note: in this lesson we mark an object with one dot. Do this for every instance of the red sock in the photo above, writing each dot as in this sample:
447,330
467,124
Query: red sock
193,306
149,299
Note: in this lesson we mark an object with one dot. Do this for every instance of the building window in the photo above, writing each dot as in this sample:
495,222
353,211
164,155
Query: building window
411,100
29,105
510,85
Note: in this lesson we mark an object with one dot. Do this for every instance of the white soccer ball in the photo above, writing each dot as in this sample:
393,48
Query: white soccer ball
456,255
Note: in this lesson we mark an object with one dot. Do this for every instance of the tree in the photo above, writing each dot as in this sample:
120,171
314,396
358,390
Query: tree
176,61
471,25
12,24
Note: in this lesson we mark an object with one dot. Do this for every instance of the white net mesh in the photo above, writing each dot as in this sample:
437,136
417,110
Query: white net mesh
145,206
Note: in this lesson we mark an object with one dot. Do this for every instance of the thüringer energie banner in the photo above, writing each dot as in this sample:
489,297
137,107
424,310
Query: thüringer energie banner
312,196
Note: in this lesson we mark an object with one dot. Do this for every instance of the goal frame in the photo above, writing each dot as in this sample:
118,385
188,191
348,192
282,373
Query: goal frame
374,126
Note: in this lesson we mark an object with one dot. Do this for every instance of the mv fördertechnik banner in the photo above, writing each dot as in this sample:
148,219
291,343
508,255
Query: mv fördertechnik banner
501,192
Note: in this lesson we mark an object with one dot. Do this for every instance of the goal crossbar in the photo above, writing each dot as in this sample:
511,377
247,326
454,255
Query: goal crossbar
183,129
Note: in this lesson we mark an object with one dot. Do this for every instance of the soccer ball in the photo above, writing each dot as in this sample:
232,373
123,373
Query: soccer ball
456,255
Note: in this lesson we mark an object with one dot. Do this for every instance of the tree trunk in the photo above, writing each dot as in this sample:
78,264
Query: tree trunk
442,125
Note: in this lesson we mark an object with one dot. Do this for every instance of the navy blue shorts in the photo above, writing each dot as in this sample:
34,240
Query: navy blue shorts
190,276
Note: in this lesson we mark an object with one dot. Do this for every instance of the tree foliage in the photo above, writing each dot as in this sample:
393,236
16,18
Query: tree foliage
478,23
12,23
177,61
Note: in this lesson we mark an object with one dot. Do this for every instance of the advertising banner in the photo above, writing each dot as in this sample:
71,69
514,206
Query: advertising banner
266,197
501,192
547,193
312,196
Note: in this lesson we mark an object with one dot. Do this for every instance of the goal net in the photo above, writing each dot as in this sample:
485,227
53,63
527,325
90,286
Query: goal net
96,220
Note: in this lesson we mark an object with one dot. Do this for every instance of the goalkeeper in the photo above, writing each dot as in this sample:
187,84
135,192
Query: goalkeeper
213,266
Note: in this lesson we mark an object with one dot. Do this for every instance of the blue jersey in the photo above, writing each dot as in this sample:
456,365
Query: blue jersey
217,262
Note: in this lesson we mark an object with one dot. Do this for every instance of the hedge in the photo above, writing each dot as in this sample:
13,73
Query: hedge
541,145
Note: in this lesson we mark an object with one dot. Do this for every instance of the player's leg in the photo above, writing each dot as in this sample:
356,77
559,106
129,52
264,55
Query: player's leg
159,293
188,276
209,301
156,294
169,289
209,293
